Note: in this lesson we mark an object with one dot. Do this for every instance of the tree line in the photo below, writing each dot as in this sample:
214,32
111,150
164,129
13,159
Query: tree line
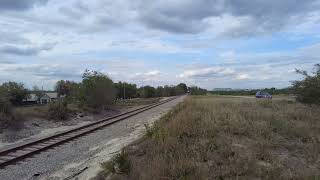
96,91
272,91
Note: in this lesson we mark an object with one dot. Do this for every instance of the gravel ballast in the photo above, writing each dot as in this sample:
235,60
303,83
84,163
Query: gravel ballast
81,158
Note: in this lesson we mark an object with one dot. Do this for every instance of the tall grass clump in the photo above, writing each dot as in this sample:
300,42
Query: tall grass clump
119,164
58,110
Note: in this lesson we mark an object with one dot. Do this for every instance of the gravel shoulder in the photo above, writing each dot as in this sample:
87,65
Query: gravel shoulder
36,128
81,158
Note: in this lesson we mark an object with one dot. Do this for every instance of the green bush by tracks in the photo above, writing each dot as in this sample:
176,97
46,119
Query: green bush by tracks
16,92
5,106
119,164
58,110
209,137
96,90
308,89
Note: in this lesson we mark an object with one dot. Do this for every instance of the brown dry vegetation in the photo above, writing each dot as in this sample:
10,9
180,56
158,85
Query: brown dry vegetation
136,102
32,111
208,137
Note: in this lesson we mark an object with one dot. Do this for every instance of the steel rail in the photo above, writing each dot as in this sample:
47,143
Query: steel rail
22,151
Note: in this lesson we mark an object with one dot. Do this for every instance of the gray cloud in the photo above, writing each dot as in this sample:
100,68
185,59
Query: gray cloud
6,61
10,37
19,5
52,71
187,16
25,51
172,24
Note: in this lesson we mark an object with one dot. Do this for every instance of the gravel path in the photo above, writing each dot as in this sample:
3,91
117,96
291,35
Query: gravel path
81,158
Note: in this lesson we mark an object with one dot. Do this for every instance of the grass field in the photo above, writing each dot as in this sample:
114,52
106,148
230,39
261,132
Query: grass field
212,137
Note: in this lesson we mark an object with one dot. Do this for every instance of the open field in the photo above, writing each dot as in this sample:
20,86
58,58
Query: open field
212,137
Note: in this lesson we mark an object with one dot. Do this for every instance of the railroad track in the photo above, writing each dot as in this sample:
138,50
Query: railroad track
23,151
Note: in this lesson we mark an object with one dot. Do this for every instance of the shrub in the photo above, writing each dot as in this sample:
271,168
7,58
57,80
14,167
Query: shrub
96,90
119,164
197,91
308,89
58,110
5,106
69,89
15,91
126,90
149,130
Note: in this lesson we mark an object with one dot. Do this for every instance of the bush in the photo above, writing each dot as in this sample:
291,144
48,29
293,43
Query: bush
15,91
197,91
308,89
5,107
96,90
58,110
126,90
119,164
69,89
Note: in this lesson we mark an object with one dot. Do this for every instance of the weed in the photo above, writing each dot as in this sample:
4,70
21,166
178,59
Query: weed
58,110
119,164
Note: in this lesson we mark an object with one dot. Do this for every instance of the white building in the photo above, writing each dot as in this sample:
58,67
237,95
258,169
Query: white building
45,99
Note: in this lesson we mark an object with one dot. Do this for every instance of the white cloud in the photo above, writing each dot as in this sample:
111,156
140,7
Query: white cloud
206,72
47,40
242,76
152,73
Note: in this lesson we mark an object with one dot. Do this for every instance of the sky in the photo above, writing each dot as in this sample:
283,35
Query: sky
207,43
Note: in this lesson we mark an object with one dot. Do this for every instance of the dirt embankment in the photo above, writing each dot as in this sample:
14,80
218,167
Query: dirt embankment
30,128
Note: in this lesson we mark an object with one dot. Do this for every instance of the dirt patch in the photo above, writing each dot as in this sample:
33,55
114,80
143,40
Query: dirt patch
33,128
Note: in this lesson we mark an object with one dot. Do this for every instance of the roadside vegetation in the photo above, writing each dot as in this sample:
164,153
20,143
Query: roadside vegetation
221,137
95,93
308,89
252,92
211,137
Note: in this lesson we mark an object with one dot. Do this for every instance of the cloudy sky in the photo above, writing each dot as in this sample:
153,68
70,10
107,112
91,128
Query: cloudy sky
209,43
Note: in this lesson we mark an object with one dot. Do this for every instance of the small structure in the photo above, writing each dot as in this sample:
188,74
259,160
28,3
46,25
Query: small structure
45,99
32,99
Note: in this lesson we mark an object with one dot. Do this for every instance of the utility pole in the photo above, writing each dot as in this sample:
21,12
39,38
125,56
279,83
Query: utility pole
124,91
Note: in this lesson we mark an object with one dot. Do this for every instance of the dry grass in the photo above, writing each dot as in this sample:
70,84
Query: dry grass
32,111
230,138
136,102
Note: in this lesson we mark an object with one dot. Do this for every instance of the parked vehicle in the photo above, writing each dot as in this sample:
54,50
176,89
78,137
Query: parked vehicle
262,94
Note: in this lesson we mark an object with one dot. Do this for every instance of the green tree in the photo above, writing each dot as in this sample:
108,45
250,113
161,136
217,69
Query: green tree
5,105
147,91
166,91
126,90
308,89
16,92
67,88
96,90
183,86
194,90
159,91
